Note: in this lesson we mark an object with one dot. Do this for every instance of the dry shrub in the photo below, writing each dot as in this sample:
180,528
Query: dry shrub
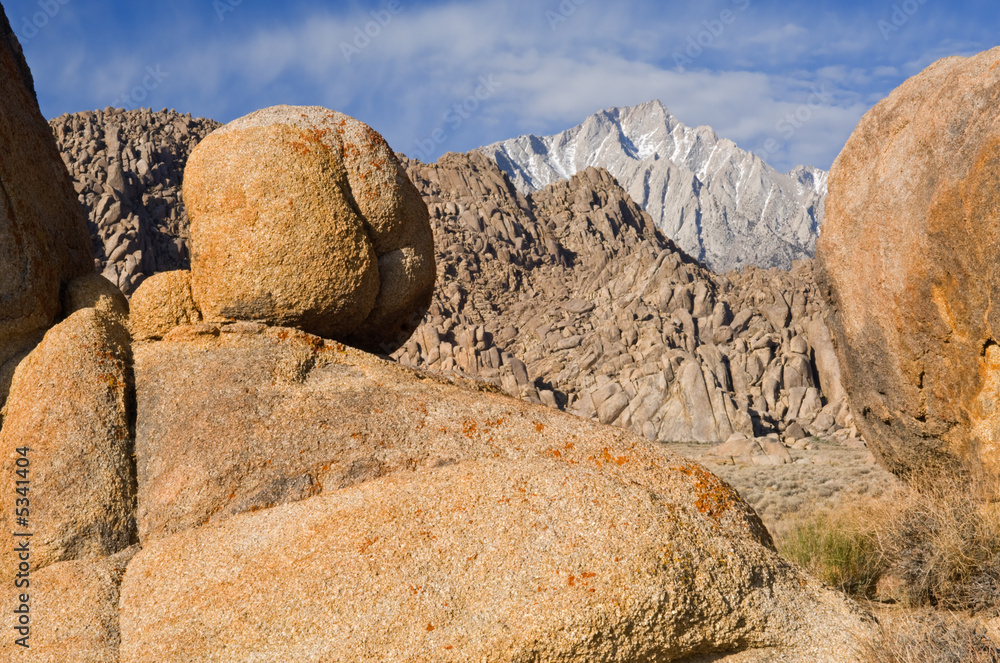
939,545
926,636
941,542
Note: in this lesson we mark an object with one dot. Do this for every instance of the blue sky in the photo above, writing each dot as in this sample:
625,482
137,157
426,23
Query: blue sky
788,80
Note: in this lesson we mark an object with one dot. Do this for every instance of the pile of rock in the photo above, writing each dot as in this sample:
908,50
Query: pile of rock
572,299
127,169
380,513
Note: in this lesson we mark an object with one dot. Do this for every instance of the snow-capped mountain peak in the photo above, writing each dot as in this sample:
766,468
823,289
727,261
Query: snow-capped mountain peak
720,203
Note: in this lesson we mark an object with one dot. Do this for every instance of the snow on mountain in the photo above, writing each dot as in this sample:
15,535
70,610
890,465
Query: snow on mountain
725,206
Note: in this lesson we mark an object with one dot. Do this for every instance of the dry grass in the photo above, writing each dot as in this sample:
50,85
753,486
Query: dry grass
925,636
834,549
942,545
822,479
932,550
937,547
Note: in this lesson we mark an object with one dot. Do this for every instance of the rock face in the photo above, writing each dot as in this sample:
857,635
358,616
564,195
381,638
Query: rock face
726,207
162,303
537,591
69,410
302,217
427,521
96,292
908,254
19,68
75,610
43,235
127,168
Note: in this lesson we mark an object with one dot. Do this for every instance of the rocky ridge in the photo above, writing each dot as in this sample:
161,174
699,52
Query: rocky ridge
725,206
570,297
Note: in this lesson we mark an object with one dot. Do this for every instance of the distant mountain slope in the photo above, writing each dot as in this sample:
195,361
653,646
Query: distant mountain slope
127,167
720,204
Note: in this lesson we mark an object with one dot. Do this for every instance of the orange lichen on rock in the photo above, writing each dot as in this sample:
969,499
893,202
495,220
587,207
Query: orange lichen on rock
714,497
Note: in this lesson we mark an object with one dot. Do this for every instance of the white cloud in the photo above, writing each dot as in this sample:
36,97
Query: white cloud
406,76
885,72
547,81
778,35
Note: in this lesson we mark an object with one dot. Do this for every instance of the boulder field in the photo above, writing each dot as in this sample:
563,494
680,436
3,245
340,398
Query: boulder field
290,485
293,485
568,297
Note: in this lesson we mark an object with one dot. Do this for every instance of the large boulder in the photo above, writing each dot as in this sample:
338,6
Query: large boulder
543,559
66,445
303,217
44,242
415,516
909,255
240,417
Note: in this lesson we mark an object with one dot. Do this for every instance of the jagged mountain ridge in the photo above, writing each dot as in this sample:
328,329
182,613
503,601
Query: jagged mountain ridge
725,206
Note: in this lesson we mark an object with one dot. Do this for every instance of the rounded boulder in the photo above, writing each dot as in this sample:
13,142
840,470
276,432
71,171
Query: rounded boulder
303,217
